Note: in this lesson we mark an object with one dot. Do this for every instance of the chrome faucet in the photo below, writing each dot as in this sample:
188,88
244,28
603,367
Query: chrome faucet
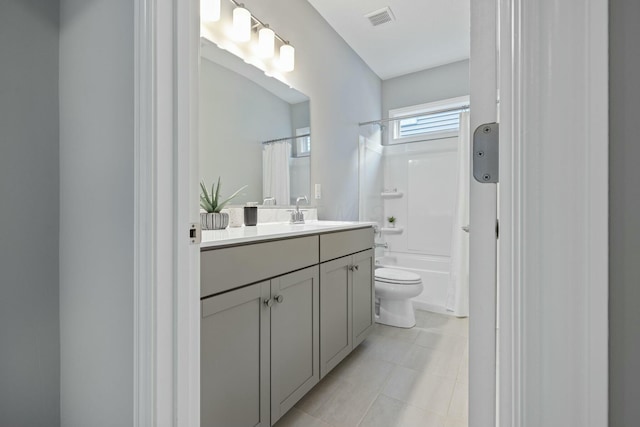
297,216
269,201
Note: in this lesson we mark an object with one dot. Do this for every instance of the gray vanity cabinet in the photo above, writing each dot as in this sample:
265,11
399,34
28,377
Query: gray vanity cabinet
363,296
295,338
259,343
336,340
234,348
346,294
346,306
276,317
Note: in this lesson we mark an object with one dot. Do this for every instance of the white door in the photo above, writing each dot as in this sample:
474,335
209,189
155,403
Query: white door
482,215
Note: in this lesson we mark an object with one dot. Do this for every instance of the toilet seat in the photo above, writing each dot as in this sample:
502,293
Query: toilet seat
396,276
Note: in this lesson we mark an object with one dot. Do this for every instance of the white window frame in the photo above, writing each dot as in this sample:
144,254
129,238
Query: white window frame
297,151
415,110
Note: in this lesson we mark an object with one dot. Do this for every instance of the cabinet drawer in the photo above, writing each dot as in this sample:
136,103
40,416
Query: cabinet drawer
339,244
228,268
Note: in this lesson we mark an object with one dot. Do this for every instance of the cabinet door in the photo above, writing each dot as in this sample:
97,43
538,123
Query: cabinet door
335,313
295,338
363,296
234,365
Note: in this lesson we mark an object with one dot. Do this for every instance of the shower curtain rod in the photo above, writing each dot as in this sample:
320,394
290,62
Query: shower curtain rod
379,122
286,139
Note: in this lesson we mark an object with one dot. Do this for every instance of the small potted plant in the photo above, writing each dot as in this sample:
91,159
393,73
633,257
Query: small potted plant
392,221
213,219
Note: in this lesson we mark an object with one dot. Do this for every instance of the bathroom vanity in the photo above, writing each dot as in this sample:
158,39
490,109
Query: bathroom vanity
281,306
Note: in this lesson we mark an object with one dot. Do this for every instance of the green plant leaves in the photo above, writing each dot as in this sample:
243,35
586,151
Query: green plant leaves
215,198
205,201
209,201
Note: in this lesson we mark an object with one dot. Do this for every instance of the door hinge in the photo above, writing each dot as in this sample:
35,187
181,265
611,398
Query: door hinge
485,153
195,233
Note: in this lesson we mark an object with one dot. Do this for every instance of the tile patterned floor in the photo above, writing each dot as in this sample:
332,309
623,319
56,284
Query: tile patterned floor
395,378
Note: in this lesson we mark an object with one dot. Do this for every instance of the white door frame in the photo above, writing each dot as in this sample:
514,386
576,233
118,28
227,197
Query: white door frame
167,270
166,304
483,207
553,262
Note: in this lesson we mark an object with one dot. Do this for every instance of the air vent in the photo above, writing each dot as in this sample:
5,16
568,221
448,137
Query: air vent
380,16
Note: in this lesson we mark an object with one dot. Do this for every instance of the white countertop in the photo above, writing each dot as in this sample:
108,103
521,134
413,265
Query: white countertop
268,231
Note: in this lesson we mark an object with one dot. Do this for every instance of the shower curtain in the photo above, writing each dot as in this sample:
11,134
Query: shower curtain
458,292
275,171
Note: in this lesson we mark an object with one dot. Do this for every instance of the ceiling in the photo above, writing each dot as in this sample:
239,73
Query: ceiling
424,34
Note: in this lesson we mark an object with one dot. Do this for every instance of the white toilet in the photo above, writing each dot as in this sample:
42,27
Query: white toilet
394,289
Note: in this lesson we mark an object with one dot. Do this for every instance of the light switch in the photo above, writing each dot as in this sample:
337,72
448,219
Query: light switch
318,191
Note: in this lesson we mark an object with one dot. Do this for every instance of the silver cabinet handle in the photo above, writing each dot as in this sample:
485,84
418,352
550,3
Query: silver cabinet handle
268,302
279,298
357,267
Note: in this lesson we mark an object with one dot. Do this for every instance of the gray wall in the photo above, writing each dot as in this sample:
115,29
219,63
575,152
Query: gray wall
29,172
343,92
434,84
624,214
300,115
235,115
96,212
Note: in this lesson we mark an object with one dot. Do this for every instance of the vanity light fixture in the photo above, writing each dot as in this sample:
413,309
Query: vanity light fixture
209,10
236,36
287,57
241,24
266,42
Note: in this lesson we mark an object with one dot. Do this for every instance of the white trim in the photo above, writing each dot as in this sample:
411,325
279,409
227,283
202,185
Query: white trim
509,354
429,106
482,223
165,226
553,292
398,113
144,217
187,290
166,283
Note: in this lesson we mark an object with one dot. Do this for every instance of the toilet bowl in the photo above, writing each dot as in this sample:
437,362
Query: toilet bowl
394,289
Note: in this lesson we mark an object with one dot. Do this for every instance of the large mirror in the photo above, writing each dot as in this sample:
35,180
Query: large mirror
254,131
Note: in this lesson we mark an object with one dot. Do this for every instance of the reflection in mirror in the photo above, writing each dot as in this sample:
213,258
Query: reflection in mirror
254,131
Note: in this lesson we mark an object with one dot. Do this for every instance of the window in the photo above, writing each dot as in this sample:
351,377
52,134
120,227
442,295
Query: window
302,144
435,120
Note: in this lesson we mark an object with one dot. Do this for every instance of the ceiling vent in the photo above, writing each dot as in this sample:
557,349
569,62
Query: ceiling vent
380,16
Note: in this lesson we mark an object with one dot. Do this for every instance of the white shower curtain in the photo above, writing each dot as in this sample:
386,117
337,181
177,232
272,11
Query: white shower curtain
458,292
275,171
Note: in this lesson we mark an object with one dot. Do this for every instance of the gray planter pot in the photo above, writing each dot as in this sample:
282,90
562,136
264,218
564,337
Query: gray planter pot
214,220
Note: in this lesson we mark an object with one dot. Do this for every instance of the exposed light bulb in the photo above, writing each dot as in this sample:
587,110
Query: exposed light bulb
287,57
241,24
209,10
266,42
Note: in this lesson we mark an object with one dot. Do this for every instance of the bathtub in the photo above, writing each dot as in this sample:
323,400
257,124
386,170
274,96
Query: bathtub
434,272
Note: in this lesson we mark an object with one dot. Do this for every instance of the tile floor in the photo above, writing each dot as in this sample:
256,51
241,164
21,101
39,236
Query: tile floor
395,378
